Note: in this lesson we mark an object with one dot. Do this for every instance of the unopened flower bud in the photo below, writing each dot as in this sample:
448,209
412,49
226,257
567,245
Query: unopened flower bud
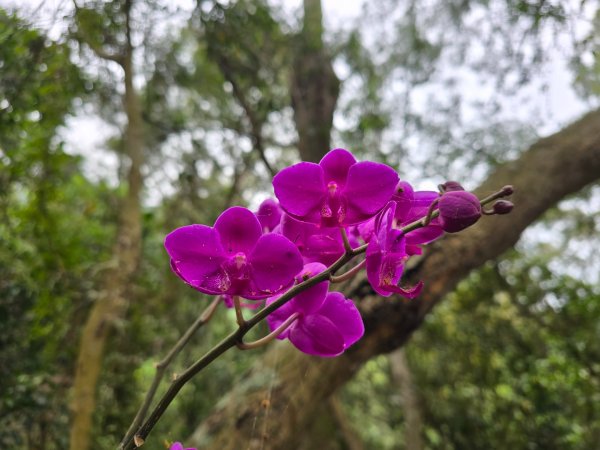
450,186
508,190
503,207
458,210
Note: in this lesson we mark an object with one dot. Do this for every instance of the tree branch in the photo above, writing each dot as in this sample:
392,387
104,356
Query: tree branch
119,58
161,367
255,123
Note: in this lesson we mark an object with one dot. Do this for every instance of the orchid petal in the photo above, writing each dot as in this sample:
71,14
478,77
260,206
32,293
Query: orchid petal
368,188
374,259
366,229
324,248
300,190
310,300
280,315
196,253
425,234
317,335
275,261
403,197
296,231
336,164
239,230
269,214
422,200
409,293
346,317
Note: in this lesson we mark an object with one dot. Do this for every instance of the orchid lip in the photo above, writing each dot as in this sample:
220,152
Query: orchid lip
326,211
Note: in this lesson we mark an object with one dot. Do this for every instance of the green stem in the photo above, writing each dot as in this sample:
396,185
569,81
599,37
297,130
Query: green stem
272,335
162,365
347,275
347,246
239,315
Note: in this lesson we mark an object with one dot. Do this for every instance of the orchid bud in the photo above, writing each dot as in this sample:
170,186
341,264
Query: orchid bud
450,186
507,190
458,210
502,207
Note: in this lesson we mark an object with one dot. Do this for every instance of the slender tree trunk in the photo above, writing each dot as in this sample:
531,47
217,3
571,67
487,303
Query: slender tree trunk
111,303
297,384
413,421
314,87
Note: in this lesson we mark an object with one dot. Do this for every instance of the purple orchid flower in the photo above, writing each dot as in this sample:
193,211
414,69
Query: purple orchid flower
269,214
327,323
421,202
179,446
336,192
386,255
405,200
233,257
316,244
410,206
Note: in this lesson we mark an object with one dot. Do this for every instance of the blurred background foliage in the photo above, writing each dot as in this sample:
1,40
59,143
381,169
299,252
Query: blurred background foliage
442,90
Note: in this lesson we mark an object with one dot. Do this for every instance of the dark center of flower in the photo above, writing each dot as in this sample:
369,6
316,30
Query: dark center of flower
333,208
240,260
332,188
237,267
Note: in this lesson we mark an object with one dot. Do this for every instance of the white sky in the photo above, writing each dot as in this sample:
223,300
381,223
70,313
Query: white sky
558,105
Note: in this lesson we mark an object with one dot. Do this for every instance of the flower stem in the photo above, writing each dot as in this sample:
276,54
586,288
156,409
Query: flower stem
429,217
162,365
347,246
239,316
272,335
349,274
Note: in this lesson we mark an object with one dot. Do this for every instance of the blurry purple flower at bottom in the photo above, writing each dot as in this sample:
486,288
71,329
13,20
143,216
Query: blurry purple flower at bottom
179,446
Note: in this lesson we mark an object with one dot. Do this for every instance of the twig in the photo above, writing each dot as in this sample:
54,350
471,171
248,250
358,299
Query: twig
161,367
269,337
239,316
347,246
347,275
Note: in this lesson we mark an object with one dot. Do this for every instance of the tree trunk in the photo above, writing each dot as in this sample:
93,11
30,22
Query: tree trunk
296,385
413,421
314,87
111,302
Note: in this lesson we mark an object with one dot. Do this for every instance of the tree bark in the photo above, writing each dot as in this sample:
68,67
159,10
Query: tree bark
314,87
111,303
296,385
413,420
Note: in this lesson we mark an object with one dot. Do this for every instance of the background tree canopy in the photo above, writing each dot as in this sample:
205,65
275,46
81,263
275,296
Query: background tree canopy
121,120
